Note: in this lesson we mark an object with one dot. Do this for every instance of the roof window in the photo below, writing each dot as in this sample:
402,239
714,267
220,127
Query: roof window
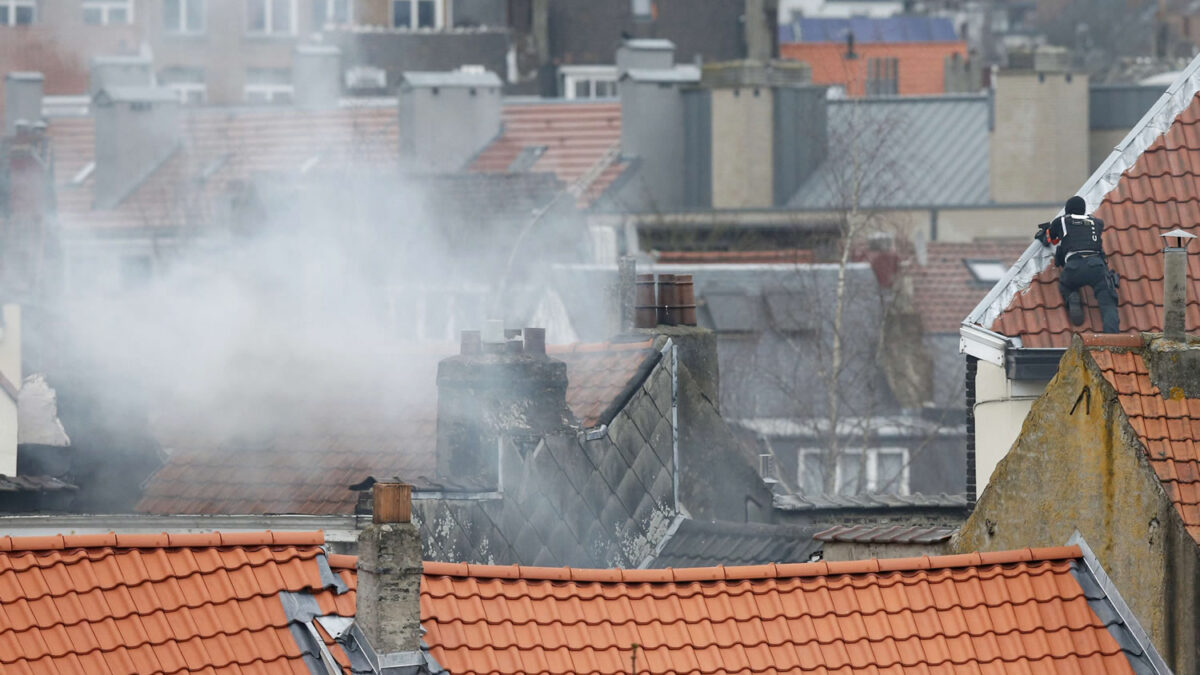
986,271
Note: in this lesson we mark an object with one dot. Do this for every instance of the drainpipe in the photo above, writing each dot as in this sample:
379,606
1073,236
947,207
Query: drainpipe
1175,285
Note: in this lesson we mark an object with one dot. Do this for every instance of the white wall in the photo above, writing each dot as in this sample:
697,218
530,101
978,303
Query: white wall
10,366
1001,405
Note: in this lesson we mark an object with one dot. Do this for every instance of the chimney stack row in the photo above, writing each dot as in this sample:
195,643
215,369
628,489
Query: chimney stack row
495,339
671,301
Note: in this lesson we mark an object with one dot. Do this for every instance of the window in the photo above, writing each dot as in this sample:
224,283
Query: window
268,85
183,16
337,12
886,471
417,14
883,77
17,12
588,81
188,83
107,12
271,17
986,271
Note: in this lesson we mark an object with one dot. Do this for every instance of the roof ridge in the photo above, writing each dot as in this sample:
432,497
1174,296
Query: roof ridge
61,542
747,572
606,346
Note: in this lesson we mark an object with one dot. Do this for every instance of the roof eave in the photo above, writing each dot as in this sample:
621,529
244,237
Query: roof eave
982,343
1154,123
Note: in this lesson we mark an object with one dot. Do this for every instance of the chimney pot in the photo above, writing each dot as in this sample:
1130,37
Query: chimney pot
535,341
685,293
667,300
1175,284
493,332
626,294
646,309
392,503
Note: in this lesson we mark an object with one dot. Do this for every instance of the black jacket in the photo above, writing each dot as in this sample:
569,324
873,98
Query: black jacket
1086,233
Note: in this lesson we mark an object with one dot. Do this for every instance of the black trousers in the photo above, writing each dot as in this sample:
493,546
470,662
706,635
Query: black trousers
1091,271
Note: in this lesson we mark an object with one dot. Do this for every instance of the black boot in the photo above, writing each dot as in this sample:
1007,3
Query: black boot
1075,308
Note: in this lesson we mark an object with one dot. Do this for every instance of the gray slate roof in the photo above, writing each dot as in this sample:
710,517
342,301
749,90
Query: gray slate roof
916,151
885,534
694,543
793,502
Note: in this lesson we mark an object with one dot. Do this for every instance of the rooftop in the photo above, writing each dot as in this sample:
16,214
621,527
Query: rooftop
945,288
868,30
1167,428
309,467
1029,610
577,141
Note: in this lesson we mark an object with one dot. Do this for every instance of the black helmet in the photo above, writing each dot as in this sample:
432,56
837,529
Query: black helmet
1076,206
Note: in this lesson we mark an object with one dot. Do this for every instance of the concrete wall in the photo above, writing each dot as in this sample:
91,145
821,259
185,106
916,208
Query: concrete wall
1039,139
742,147
1001,406
1085,470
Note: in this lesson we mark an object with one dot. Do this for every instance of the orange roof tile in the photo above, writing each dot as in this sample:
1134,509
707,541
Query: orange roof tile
164,603
309,467
581,141
991,612
944,290
1167,428
1155,195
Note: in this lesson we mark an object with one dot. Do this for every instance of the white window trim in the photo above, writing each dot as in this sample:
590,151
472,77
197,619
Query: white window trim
12,6
268,91
572,75
440,10
182,28
267,31
872,467
106,6
184,89
329,12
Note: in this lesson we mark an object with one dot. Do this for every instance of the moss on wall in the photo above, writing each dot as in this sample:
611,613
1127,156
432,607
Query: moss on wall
1078,465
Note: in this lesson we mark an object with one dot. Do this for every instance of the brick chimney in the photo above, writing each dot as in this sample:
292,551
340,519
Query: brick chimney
446,118
22,99
501,387
388,599
317,76
137,129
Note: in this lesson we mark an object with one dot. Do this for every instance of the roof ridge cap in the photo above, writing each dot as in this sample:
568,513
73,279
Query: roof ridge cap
749,572
216,539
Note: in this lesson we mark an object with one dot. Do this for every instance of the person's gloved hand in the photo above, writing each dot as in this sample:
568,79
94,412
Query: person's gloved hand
1043,234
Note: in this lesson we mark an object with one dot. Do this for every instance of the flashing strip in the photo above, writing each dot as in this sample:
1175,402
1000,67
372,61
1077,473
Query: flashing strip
662,543
670,347
1092,564
1154,123
982,343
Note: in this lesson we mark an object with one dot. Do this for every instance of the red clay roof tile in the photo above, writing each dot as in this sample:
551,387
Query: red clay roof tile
1167,429
1155,195
1016,610
157,603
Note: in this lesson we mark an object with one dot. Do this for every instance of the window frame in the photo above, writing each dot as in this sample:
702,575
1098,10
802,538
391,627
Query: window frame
872,467
106,7
330,6
881,71
571,76
182,28
269,19
13,5
440,10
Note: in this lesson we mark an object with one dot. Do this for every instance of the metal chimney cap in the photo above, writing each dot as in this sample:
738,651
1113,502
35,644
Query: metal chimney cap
1182,239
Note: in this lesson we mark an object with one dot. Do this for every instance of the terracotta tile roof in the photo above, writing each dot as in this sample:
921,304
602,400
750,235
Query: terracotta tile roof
1153,196
944,290
581,141
221,147
1167,428
1018,611
160,603
308,467
600,376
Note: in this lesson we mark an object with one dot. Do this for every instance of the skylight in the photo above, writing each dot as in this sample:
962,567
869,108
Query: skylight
986,271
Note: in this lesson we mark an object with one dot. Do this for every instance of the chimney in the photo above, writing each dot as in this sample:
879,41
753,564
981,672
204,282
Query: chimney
28,244
447,118
652,120
1038,145
498,389
317,76
120,71
645,54
1175,285
22,99
137,129
388,601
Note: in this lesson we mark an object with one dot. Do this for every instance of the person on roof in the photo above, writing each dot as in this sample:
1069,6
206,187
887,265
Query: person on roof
1080,254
